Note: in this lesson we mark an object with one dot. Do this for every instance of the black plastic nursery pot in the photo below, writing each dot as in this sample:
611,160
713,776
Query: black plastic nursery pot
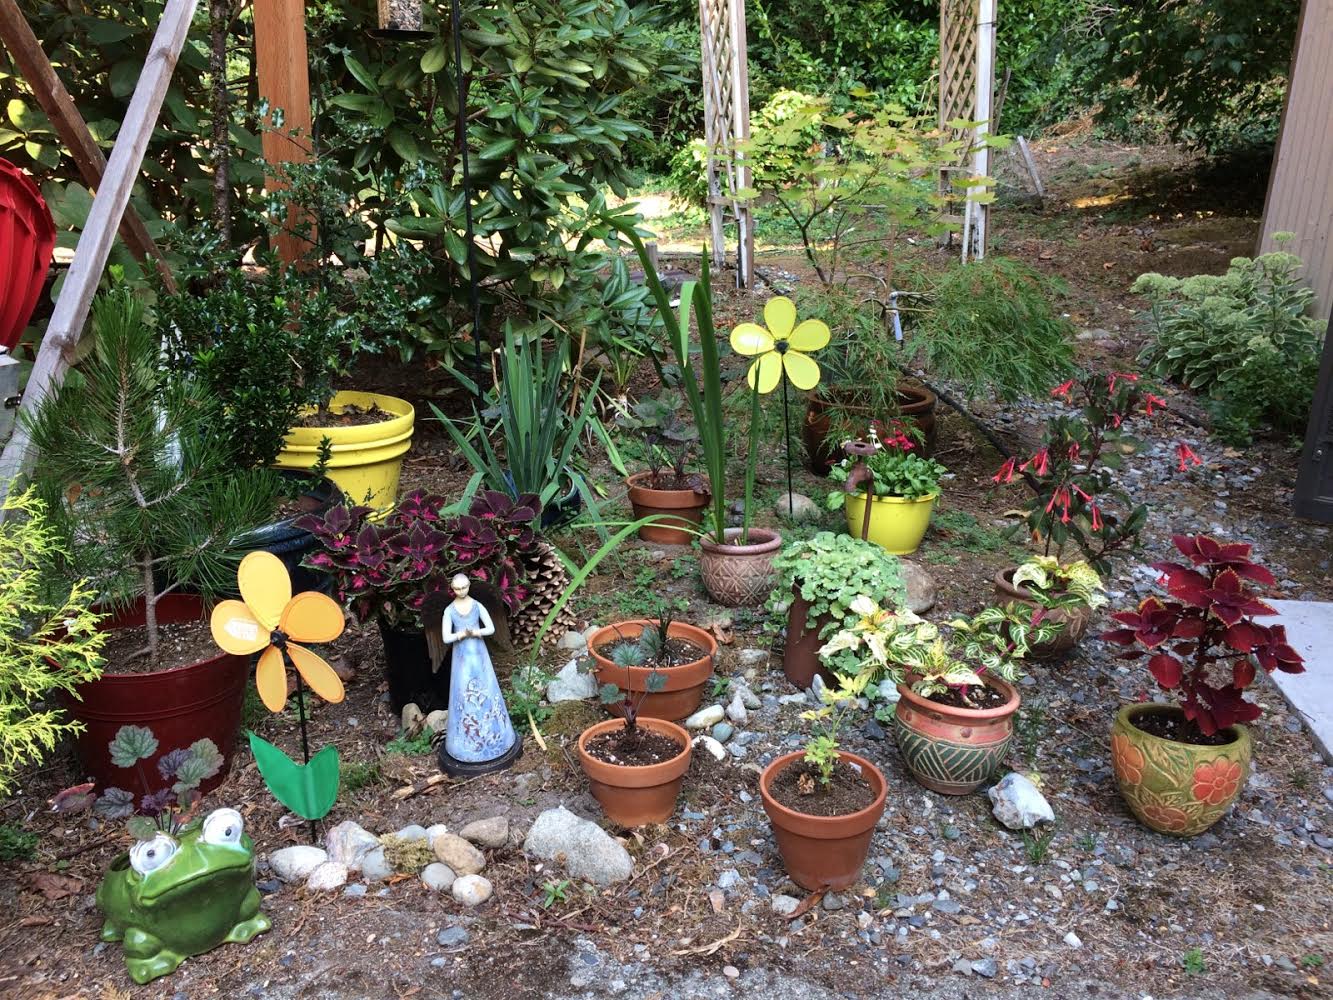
292,544
408,671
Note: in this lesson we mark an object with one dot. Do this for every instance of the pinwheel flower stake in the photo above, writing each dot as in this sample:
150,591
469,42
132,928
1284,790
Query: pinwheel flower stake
269,621
781,355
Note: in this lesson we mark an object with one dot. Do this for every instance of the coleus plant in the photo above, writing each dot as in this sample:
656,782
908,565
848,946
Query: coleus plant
390,567
1204,642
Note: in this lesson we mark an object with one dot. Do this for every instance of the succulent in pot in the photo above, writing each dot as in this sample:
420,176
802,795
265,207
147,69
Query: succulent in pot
633,653
665,488
635,764
1180,767
1068,593
888,491
824,802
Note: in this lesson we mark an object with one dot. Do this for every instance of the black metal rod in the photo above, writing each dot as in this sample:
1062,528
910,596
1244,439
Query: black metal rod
301,714
473,286
786,435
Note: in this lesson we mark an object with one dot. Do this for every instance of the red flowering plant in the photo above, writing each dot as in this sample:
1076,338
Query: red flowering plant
1204,642
1075,498
391,567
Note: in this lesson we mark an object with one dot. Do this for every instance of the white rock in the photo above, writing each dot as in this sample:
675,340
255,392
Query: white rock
736,711
438,877
492,832
586,850
1017,803
705,717
785,904
412,832
817,689
294,864
752,657
1073,940
793,699
921,589
434,830
712,746
438,720
748,698
375,867
571,685
797,507
328,876
472,890
573,641
349,842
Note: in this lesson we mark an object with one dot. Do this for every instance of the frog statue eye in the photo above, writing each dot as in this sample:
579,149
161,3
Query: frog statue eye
223,826
149,855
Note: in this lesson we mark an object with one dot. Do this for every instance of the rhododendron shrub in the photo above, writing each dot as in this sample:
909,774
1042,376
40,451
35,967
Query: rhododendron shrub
1204,642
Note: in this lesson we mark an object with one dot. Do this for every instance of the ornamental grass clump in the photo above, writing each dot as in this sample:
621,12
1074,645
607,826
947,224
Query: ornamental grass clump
1204,642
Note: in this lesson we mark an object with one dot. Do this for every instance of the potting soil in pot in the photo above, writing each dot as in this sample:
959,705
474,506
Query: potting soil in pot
179,645
675,653
981,700
350,415
1178,729
798,788
643,750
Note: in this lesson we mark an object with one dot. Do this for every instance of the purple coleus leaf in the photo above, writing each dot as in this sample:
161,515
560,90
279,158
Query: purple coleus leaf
419,550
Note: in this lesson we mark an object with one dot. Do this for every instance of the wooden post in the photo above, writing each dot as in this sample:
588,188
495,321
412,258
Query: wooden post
740,111
282,68
977,215
55,100
99,232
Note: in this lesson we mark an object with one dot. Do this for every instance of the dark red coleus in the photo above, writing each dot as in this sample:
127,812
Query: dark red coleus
1205,643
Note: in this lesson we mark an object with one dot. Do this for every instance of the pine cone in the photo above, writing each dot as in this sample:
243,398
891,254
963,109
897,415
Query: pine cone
546,577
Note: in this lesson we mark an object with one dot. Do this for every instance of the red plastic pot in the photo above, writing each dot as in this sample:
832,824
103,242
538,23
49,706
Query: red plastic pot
27,237
181,705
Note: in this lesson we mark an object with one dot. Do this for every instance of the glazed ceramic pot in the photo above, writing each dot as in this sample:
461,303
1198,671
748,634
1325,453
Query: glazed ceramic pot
897,524
684,688
800,657
951,750
636,796
1176,788
916,405
685,507
823,852
739,575
1075,620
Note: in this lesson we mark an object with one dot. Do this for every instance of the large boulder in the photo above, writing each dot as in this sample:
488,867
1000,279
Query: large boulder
585,850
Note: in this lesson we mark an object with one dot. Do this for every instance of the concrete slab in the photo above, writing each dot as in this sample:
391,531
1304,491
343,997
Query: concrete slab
1310,630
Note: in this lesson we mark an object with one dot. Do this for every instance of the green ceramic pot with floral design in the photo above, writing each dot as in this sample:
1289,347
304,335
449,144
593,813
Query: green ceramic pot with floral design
1176,788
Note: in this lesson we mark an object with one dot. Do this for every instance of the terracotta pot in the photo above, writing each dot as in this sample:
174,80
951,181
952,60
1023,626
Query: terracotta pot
1176,788
823,852
685,506
739,575
684,687
800,658
636,796
916,405
1075,620
950,750
200,701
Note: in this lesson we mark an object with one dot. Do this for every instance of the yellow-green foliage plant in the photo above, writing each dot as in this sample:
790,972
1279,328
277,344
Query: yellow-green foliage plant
49,643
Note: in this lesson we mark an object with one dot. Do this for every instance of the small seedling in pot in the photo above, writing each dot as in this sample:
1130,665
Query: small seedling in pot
822,749
647,650
668,440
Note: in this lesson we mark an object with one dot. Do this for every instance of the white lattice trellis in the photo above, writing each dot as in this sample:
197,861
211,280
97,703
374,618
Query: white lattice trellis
726,83
967,88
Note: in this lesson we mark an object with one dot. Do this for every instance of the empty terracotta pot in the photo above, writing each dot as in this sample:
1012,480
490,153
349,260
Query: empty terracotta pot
1075,619
916,405
685,507
823,852
739,575
950,750
684,686
636,796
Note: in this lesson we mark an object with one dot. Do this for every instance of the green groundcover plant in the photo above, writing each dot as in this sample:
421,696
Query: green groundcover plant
898,473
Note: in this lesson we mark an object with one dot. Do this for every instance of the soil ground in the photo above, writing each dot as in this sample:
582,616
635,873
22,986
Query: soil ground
1241,912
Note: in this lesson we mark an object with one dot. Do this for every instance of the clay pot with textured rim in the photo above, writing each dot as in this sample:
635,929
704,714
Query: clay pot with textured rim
739,575
686,508
1075,619
823,852
800,657
684,688
1176,788
637,796
951,750
916,405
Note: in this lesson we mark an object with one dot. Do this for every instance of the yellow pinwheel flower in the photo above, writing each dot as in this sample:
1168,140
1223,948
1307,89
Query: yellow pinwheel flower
784,346
269,618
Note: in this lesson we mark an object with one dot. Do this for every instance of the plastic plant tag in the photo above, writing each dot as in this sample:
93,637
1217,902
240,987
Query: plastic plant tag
309,790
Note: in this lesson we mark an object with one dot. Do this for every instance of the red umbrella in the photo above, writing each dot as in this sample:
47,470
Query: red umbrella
27,236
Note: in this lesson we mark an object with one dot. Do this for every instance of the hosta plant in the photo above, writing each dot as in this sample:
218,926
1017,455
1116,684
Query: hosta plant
1054,584
1203,643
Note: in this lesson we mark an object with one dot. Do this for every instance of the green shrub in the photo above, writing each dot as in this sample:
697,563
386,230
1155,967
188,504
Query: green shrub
1245,339
16,843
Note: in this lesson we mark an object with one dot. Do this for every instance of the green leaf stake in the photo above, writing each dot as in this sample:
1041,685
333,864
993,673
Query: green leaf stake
309,790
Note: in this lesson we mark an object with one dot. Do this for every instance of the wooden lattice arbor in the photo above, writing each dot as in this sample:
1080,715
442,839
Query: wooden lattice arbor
726,84
967,89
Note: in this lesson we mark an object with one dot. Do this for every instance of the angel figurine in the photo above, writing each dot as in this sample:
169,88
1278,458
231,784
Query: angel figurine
479,737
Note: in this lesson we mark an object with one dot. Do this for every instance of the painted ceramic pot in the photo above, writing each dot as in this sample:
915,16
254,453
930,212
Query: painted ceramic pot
1176,788
951,750
1075,620
739,575
636,796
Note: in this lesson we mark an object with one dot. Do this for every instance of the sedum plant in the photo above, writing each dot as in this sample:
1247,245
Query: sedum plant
49,644
1054,584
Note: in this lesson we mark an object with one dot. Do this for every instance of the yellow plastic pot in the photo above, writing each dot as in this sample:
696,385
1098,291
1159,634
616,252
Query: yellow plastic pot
897,525
367,458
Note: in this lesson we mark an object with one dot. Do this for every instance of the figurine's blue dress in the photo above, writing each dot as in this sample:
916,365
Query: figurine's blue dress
479,727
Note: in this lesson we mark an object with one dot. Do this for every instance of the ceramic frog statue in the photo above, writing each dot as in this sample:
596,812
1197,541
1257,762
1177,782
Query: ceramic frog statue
169,899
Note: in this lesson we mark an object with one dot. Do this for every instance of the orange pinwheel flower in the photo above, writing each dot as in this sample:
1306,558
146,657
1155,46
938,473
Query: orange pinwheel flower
269,618
1216,782
1127,759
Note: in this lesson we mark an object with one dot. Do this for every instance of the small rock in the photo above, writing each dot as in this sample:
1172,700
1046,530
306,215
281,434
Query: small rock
573,641
705,717
723,731
986,967
356,891
1073,940
946,906
833,902
438,720
792,699
349,842
294,864
731,972
873,730
586,850
796,507
1017,803
330,875
712,746
452,937
412,719
785,905
736,711
374,867
921,590
729,879
571,685
748,698
752,657
472,890
434,830
438,877
412,833
458,854
492,832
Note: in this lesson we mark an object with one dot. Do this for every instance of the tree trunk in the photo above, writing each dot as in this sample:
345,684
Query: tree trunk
149,607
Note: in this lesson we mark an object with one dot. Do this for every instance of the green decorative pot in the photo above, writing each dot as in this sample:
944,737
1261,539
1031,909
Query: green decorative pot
954,751
1176,788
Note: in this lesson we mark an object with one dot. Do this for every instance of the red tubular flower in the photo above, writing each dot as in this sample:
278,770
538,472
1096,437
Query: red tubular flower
1062,390
1186,455
1006,473
1096,518
1117,419
1075,449
1152,402
1117,376
1040,462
